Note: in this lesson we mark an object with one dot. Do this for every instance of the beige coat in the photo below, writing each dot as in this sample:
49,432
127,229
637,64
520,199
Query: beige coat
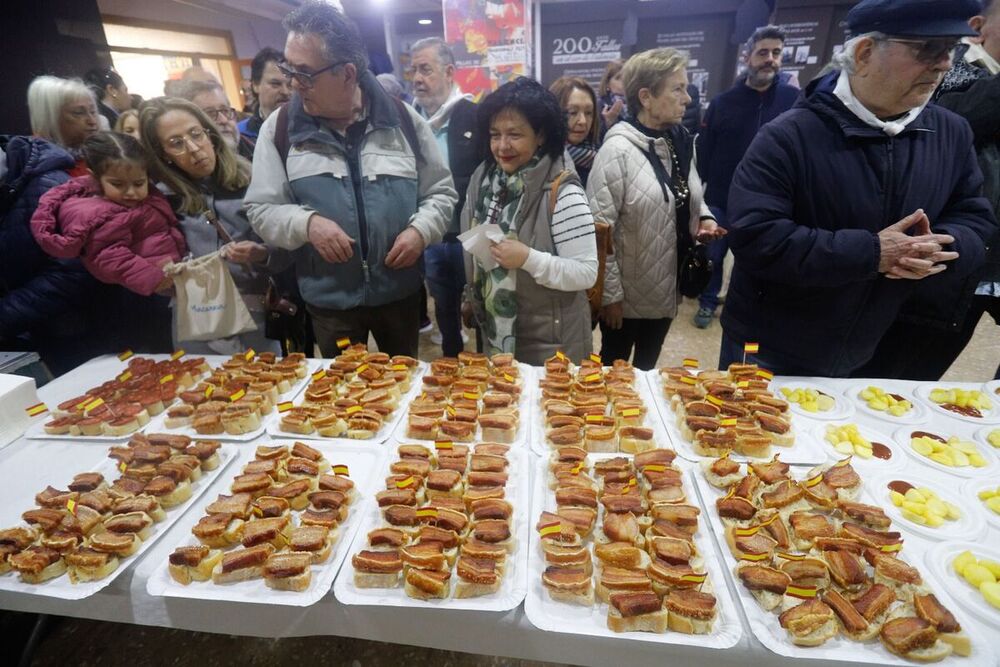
624,192
547,319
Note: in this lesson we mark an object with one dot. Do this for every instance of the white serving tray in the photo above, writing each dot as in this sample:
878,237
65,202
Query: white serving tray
513,584
805,451
273,422
552,616
61,587
362,462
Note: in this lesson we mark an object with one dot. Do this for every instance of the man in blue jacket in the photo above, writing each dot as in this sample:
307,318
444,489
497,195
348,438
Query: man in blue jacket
843,205
732,121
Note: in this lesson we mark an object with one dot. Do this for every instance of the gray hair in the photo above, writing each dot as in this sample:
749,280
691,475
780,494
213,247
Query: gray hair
763,32
189,90
844,60
444,52
47,95
341,39
391,84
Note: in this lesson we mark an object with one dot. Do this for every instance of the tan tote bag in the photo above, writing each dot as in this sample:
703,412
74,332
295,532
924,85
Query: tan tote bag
208,304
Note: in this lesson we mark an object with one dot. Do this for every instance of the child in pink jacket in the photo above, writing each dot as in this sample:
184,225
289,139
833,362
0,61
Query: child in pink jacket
123,230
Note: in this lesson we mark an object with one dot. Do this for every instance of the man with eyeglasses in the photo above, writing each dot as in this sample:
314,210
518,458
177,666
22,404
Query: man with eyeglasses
452,116
211,98
734,117
353,181
949,313
856,199
271,88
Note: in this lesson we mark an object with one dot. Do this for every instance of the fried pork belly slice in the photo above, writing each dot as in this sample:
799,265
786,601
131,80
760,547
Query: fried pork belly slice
892,568
852,620
846,569
287,564
771,472
747,487
755,544
237,504
46,520
272,452
567,529
671,550
98,500
763,578
807,570
336,483
660,479
86,481
268,507
241,559
666,495
189,556
492,531
684,517
251,483
53,498
691,603
635,604
841,477
621,527
869,537
821,495
414,452
906,634
321,500
839,544
866,514
477,570
492,449
736,508
582,518
725,466
304,451
18,537
378,562
616,464
784,494
261,531
664,457
429,582
479,462
494,508
416,467
808,526
619,554
576,496
396,497
931,610
804,619
618,504
33,560
621,579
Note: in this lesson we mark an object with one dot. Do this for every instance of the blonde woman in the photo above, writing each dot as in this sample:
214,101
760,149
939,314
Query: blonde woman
206,181
645,185
128,123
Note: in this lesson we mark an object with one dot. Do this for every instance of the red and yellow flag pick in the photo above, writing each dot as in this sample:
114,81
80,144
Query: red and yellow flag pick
813,481
444,445
125,355
361,369
627,488
787,556
284,407
508,377
751,348
470,395
689,379
713,399
167,378
94,404
250,354
319,375
177,355
36,409
353,410
891,548
631,412
399,367
427,513
595,419
209,390
727,421
765,374
343,343
122,466
593,377
654,467
754,558
596,358
690,362
71,506
694,578
547,529
577,468
125,377
341,469
405,483
237,395
801,592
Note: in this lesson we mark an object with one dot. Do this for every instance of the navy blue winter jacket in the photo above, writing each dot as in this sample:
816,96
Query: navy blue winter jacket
35,290
806,204
731,122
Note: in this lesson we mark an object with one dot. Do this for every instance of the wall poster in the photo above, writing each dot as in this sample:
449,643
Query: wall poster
490,41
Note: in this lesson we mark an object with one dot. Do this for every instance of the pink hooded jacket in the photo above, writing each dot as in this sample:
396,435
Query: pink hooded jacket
117,244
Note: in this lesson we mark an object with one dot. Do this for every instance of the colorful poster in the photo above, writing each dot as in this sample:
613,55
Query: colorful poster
490,41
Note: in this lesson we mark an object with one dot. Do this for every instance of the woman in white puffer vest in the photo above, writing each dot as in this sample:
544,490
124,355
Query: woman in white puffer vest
643,180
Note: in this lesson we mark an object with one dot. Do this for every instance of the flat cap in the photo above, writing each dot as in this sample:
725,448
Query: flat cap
918,18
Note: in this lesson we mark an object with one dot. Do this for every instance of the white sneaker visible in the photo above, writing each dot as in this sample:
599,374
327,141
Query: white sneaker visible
424,328
436,338
465,337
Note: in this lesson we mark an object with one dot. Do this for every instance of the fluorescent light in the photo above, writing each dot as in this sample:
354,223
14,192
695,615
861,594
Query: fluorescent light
425,21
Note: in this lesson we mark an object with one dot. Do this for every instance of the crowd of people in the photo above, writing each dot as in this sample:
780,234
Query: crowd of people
860,211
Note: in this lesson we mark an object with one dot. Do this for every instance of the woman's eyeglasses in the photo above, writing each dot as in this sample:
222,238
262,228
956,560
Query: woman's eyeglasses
306,79
179,145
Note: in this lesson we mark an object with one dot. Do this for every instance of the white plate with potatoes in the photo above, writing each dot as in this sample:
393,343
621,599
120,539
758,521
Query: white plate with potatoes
886,402
872,451
968,404
954,454
985,495
932,508
813,398
941,563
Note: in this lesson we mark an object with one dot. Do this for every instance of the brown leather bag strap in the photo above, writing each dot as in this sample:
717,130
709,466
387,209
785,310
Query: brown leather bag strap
554,192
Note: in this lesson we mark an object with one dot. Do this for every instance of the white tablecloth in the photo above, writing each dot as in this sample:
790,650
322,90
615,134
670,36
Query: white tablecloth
28,465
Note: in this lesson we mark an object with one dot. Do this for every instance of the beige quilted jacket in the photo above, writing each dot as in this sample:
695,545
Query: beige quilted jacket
623,191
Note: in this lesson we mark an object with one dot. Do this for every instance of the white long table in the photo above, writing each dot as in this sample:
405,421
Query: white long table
505,634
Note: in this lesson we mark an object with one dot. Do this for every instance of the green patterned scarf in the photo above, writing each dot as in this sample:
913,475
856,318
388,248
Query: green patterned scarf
498,203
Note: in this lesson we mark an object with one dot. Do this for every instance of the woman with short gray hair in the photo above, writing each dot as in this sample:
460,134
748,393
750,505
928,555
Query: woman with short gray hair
645,185
64,112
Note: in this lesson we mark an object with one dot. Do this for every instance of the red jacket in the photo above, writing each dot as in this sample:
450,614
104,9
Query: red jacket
117,244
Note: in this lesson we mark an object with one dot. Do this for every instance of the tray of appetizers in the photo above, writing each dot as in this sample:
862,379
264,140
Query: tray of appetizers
599,408
820,571
471,398
887,400
874,450
707,413
238,397
136,393
813,398
84,533
281,530
358,396
618,550
948,450
963,401
447,530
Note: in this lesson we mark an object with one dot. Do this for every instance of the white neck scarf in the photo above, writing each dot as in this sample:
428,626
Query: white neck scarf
441,116
892,128
980,57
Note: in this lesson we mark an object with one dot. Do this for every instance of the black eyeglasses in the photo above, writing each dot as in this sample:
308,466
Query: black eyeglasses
929,51
306,79
219,113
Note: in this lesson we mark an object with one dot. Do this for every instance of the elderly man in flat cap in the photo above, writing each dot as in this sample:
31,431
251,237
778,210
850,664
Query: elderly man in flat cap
855,198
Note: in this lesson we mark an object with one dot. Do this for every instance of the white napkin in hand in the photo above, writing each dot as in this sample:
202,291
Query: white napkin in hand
478,241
